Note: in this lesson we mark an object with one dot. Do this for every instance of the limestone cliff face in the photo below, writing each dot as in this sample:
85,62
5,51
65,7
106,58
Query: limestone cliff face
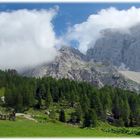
118,48
72,64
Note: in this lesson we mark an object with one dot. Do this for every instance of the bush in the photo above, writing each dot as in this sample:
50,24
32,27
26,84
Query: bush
130,131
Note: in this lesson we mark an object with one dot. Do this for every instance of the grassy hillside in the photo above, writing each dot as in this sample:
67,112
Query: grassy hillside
26,128
46,127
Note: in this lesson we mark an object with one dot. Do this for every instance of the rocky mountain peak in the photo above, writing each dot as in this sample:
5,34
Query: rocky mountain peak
72,52
72,64
118,48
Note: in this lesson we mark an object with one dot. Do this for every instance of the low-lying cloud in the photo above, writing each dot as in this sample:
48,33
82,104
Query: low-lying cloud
87,32
27,38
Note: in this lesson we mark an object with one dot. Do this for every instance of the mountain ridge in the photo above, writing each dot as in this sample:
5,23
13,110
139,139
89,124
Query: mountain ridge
72,64
118,48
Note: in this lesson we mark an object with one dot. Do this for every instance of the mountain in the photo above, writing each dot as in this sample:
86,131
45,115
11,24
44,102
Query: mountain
113,60
119,48
72,64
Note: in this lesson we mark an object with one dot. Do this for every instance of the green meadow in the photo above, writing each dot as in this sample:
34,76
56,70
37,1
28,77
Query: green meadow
26,128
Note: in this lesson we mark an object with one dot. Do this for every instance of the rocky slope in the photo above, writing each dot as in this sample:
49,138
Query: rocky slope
134,76
118,48
72,64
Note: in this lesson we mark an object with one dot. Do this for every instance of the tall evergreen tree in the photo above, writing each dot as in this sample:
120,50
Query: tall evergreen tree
19,105
90,119
48,99
116,110
97,105
126,112
62,116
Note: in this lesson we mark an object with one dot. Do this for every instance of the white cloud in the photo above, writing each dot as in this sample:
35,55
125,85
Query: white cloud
27,38
88,32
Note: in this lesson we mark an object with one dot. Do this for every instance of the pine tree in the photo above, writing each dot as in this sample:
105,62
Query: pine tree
48,100
97,105
90,119
87,120
54,91
93,117
135,110
8,97
72,98
85,103
116,110
106,99
62,116
78,112
126,112
19,104
42,90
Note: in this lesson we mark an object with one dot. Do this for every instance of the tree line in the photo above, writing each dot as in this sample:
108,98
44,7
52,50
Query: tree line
117,106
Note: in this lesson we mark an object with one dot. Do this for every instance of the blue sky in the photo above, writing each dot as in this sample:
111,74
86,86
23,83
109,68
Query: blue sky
69,13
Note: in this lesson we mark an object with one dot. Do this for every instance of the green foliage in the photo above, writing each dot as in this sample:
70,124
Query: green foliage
22,93
2,91
62,116
78,113
52,114
48,99
130,131
90,119
76,117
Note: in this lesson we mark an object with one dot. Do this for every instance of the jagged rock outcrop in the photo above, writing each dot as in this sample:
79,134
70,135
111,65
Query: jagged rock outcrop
72,64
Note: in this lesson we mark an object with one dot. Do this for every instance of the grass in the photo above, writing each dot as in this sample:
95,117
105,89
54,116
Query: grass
54,107
46,127
25,128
